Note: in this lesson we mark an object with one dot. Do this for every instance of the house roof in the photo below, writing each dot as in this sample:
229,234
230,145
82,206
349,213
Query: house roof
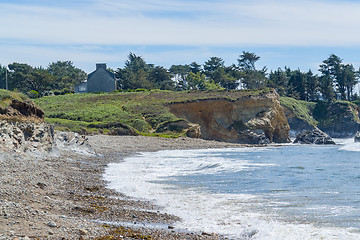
99,67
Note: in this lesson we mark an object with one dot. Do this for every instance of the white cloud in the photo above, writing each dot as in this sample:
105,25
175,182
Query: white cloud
40,34
217,23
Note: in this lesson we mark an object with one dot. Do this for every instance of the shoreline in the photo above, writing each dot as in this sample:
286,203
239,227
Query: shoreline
62,195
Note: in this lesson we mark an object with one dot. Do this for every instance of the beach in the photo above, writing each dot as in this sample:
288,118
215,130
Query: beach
62,194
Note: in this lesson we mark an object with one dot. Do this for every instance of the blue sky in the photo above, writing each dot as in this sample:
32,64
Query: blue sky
297,34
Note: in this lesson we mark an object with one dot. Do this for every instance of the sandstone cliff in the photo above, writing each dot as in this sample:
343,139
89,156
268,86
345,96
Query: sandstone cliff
252,118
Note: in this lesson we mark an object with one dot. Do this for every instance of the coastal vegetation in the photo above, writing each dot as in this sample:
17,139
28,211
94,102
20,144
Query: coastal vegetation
146,112
143,112
139,106
336,80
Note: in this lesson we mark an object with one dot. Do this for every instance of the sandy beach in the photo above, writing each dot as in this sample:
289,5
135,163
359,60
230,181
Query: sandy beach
62,195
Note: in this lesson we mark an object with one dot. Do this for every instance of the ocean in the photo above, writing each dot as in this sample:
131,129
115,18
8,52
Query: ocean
276,192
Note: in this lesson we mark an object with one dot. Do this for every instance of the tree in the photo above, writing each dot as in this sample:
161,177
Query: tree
66,74
160,77
25,78
331,74
251,77
350,78
194,67
40,81
247,61
198,81
3,77
213,65
297,83
225,80
135,74
279,80
312,86
18,76
342,76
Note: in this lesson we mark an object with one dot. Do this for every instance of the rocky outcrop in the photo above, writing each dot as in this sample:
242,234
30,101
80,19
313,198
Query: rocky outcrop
25,136
253,118
357,137
22,128
192,130
297,124
315,136
338,119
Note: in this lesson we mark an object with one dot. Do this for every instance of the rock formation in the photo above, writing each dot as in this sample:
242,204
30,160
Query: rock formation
253,118
357,137
315,136
297,125
22,128
339,120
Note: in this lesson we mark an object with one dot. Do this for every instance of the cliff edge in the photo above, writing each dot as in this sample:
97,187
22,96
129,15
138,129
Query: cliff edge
22,126
252,118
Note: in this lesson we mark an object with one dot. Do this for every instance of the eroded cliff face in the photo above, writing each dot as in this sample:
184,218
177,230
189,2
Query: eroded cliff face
22,128
26,136
297,125
252,119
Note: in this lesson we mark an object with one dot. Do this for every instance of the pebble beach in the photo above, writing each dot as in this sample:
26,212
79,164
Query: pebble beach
62,194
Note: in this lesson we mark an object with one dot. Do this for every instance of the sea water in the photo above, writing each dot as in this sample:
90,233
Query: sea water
276,192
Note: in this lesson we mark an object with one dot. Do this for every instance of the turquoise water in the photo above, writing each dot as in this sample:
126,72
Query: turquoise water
297,191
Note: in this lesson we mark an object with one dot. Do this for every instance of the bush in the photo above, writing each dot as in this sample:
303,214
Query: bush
33,94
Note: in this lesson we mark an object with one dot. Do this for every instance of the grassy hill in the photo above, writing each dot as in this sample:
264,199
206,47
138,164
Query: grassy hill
141,112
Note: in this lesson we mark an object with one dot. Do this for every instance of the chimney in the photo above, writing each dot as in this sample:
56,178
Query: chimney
100,65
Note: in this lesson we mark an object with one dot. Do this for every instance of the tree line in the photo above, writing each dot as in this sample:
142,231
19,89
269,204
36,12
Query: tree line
57,78
336,80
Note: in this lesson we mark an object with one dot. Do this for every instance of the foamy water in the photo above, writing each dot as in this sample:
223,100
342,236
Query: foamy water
291,192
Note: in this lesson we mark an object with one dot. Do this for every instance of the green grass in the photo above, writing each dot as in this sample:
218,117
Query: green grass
301,109
6,98
143,111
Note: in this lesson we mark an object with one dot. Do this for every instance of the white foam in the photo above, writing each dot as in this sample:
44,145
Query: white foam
234,215
348,144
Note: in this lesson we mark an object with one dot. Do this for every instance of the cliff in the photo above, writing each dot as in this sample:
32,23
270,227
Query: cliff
22,126
338,119
252,118
242,116
299,115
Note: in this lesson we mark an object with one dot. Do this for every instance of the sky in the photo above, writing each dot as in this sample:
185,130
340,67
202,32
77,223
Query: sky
296,34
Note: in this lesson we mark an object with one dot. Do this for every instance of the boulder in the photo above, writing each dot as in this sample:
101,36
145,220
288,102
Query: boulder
357,137
315,136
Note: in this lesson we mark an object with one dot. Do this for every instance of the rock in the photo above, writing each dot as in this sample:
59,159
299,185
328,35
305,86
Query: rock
41,185
72,141
83,232
357,137
254,118
315,136
26,136
297,123
340,119
51,224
